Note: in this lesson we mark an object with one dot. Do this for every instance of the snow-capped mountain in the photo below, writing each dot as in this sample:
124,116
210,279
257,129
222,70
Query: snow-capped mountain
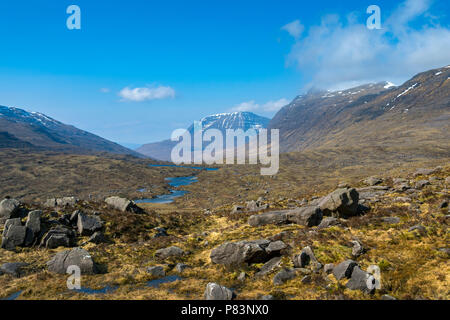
222,121
25,129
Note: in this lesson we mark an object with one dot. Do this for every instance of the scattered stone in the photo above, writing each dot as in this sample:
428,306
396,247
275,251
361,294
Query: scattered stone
276,217
328,268
373,181
160,232
361,280
15,236
242,276
217,292
329,222
341,203
74,257
169,252
237,253
391,220
123,204
88,225
344,269
424,172
387,297
237,209
307,216
276,246
269,266
180,267
268,297
15,269
66,202
283,276
8,209
422,183
306,279
357,249
421,229
97,238
156,271
304,258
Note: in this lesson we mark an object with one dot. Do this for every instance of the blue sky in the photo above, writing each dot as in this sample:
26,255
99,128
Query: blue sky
137,70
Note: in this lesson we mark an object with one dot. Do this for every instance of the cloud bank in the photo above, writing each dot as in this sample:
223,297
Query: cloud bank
341,52
270,106
146,93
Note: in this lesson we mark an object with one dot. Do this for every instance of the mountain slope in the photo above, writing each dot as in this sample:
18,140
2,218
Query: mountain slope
414,113
223,121
23,129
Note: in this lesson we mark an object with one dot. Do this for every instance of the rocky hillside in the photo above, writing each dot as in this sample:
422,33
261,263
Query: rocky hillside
33,130
385,237
411,114
223,121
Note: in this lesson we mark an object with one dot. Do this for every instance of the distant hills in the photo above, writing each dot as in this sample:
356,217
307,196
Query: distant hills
223,121
406,116
34,130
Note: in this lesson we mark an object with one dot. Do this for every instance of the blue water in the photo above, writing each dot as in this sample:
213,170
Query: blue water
156,283
105,290
174,182
14,296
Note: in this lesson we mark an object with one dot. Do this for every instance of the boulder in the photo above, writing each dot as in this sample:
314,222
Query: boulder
342,203
88,225
215,291
74,257
156,271
361,280
66,202
15,269
357,249
373,181
237,253
307,216
169,252
97,238
123,204
180,267
8,209
305,258
59,237
269,266
328,268
34,222
283,276
329,222
15,236
275,247
344,269
276,217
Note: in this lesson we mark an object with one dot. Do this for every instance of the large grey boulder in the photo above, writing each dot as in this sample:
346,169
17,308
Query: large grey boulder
88,225
14,268
276,217
361,280
59,237
34,222
283,276
122,204
8,208
307,216
215,291
14,237
237,253
344,269
341,203
74,257
169,252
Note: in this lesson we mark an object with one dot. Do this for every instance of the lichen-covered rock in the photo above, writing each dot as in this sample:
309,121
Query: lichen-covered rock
74,257
276,217
215,291
305,258
361,280
307,216
344,269
237,253
15,236
156,271
342,203
59,237
123,204
88,225
14,268
8,209
169,252
34,222
283,276
269,266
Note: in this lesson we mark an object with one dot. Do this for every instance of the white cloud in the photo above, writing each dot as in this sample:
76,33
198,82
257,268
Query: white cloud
339,52
146,93
295,28
252,106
